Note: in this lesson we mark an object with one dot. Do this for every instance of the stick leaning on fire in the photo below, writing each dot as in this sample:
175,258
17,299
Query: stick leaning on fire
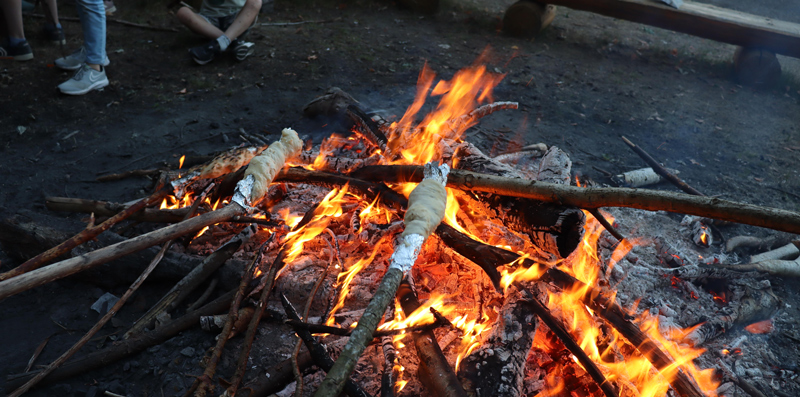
249,191
426,207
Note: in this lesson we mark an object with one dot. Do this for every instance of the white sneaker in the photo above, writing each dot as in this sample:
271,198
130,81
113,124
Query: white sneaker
85,80
75,60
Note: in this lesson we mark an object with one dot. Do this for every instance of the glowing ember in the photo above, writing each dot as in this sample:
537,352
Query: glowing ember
761,327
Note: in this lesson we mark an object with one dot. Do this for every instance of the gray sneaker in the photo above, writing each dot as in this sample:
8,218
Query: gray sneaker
75,60
242,49
85,80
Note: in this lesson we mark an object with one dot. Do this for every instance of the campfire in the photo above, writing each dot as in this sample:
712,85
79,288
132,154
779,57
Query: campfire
409,262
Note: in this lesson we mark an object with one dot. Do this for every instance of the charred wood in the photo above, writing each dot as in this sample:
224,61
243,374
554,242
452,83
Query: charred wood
497,367
183,288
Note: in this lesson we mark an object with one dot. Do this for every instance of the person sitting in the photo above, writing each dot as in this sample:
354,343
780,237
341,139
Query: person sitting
223,21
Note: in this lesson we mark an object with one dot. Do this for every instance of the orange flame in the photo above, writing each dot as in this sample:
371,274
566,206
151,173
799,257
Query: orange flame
635,372
329,207
418,143
180,162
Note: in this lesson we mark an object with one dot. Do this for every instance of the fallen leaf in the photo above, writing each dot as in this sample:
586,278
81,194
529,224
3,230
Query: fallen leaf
181,92
759,179
312,57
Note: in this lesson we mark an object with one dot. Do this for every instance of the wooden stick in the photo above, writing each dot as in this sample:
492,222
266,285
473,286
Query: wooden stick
128,347
318,353
661,170
183,288
127,174
86,261
433,365
588,198
606,224
561,332
250,335
327,329
80,238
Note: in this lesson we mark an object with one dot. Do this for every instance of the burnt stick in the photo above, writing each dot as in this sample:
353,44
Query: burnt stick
366,127
661,170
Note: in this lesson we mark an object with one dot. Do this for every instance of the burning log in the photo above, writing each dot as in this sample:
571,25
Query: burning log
250,190
497,366
661,170
756,305
425,210
433,367
366,127
589,198
552,228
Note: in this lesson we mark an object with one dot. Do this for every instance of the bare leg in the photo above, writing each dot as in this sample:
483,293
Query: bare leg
244,19
12,11
51,11
196,23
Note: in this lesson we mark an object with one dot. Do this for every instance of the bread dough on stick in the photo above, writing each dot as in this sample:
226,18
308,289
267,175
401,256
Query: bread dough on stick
229,161
265,166
426,205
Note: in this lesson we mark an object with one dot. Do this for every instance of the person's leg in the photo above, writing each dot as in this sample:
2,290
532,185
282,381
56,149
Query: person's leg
91,75
244,19
12,12
52,26
14,46
197,24
93,21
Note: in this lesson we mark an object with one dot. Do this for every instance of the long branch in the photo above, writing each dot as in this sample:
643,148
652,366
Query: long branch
589,198
88,260
82,237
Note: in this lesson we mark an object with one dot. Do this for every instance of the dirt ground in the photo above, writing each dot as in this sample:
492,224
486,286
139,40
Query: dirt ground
583,83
